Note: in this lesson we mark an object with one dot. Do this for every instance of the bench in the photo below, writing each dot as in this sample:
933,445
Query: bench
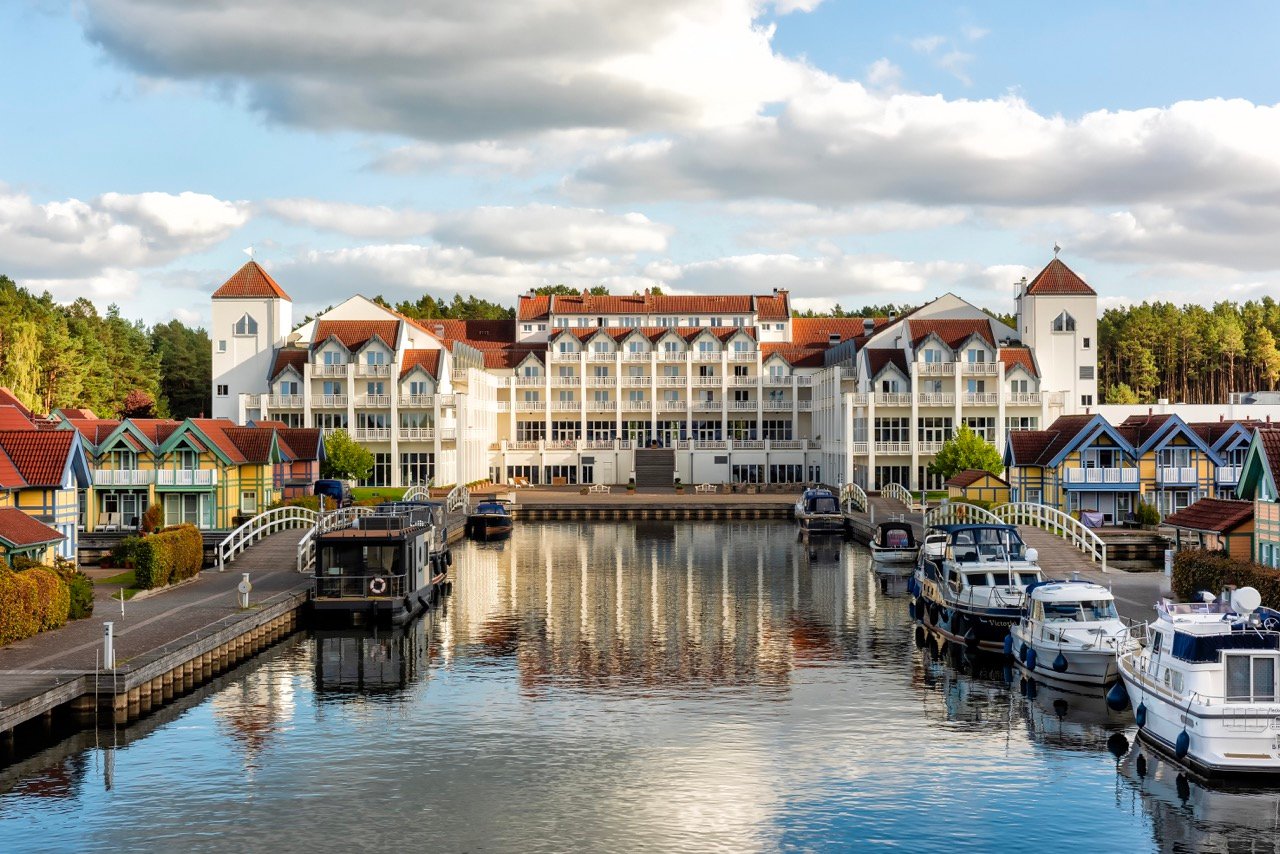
705,487
599,487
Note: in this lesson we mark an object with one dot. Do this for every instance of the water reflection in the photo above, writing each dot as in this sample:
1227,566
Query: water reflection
371,661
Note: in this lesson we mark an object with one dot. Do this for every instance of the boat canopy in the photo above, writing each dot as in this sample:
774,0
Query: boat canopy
1069,591
1204,649
820,501
895,535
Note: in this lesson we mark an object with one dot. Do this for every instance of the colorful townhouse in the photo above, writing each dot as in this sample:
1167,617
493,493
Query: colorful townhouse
1230,440
301,454
41,475
1176,466
23,536
1260,484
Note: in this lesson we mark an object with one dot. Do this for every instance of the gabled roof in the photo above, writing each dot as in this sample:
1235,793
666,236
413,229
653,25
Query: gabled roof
774,307
41,456
11,418
250,282
354,334
94,430
510,357
797,357
969,477
10,477
1261,465
1214,515
428,360
817,331
879,358
648,303
533,307
8,398
953,332
1021,357
303,443
1047,447
1057,279
1147,432
1220,434
289,357
77,412
19,531
256,444
478,331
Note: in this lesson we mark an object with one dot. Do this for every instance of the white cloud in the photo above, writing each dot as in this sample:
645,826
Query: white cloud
928,44
883,74
352,219
783,224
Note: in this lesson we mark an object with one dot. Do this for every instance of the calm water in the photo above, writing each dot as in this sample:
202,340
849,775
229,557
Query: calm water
625,688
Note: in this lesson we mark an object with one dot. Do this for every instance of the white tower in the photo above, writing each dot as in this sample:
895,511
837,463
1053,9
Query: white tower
1058,318
251,317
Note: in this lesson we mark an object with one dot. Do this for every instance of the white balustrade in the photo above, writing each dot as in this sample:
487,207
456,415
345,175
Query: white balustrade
1056,522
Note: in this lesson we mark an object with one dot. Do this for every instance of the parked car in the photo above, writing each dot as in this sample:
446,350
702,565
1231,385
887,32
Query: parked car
337,490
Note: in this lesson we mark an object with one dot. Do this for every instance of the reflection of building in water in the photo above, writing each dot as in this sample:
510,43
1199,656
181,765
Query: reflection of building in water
1186,816
367,661
252,709
657,602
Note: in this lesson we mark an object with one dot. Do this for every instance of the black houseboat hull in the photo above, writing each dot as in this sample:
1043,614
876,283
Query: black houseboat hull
489,527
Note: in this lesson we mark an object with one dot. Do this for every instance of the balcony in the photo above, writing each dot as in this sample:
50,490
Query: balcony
448,434
934,369
748,445
417,401
786,445
445,399
713,382
373,434
980,368
936,398
1106,477
284,401
571,356
1022,398
374,401
777,379
565,406
893,398
504,405
706,406
981,398
417,434
931,447
530,381
671,355
897,448
777,405
636,357
364,369
706,355
749,381
1228,474
329,370
329,401
743,405
635,405
710,445
673,406
570,380
123,477
601,357
523,445
669,382
804,405
528,406
187,477
1177,476
804,380
602,382
595,405
742,355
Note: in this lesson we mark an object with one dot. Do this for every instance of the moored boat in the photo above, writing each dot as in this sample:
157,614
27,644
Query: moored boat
490,520
1069,634
971,582
894,543
1203,684
818,512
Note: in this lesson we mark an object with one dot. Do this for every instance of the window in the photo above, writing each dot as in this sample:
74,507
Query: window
330,420
528,327
976,356
246,325
375,357
530,431
1086,372
667,321
892,430
889,386
248,503
531,370
560,475
564,431
222,345
526,474
706,348
740,370
542,327
289,388
1022,422
565,347
933,356
748,473
742,430
562,323
373,421
222,391
600,398
739,321
381,474
188,460
934,429
418,387
334,357
331,387
602,430
1064,323
786,473
124,460
776,429
984,427
976,386
777,371
1085,345
1250,678
374,388
1086,400
1018,386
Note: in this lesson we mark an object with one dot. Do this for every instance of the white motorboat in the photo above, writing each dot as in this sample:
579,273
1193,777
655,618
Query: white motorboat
894,543
1070,634
1203,684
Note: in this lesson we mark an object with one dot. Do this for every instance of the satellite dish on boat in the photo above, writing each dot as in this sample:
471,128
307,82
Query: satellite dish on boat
1033,555
1245,600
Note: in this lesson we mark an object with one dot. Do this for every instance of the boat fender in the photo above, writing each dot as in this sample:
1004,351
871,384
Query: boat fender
934,614
1141,765
1031,688
1006,675
911,610
424,603
1022,686
1008,646
1060,663
1031,659
1183,744
1183,786
1022,653
1118,745
957,623
1060,708
1140,715
1118,697
448,558
378,586
920,636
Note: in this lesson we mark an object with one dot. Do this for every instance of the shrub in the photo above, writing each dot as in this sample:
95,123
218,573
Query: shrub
18,609
125,551
153,519
174,554
1194,571
53,597
1146,514
80,587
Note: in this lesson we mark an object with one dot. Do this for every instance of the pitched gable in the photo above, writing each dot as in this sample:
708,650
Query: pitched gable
250,282
1057,279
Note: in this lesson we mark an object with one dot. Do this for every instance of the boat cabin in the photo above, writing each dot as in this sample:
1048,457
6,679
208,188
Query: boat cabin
895,535
1070,602
819,501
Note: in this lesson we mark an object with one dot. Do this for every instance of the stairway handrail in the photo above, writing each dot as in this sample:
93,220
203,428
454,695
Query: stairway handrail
262,525
1056,522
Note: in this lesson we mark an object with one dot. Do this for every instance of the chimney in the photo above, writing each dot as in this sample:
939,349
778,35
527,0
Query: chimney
868,325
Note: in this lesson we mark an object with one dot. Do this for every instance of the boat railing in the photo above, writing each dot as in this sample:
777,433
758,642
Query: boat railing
360,586
1056,522
959,513
334,520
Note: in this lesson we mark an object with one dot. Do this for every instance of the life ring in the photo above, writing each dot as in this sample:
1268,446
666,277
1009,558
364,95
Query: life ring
378,586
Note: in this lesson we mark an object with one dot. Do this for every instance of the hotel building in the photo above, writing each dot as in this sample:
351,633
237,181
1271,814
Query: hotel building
597,389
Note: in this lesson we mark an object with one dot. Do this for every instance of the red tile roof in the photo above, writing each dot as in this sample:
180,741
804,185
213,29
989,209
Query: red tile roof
510,357
1212,431
470,331
1038,447
40,456
354,334
78,413
1057,279
254,443
532,307
774,307
8,398
155,429
1021,357
1218,515
645,303
250,282
952,332
94,430
878,358
1270,440
215,430
273,424
11,418
817,331
968,477
429,360
797,357
289,357
10,477
303,443
18,530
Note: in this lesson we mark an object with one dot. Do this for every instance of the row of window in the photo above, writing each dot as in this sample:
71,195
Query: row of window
637,395
645,432
639,372
971,386
705,346
416,469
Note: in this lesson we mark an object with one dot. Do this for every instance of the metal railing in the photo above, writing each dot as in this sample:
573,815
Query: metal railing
333,520
360,586
459,498
959,513
1056,522
416,493
853,496
1109,474
264,524
364,369
284,401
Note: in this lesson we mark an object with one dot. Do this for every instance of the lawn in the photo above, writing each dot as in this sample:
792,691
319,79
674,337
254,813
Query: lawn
382,493
127,580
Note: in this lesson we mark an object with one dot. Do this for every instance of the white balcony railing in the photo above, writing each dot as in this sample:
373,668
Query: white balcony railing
1101,475
445,400
187,477
523,445
671,355
330,401
1228,474
378,401
284,401
707,381
417,401
123,477
673,405
804,405
706,355
742,405
597,404
504,405
671,381
635,405
373,434
1177,474
565,406
893,447
637,381
936,398
530,381
417,434
557,356
601,357
571,380
329,370
635,357
981,398
363,369
893,398
777,405
1022,398
930,447
804,380
528,405
777,379
706,406
983,368
602,382
751,381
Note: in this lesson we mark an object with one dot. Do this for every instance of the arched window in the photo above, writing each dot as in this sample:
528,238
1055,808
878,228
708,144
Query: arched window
1064,323
246,325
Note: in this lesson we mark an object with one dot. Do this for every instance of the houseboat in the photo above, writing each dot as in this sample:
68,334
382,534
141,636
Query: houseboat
818,512
1070,634
971,583
894,543
386,567
1203,684
490,520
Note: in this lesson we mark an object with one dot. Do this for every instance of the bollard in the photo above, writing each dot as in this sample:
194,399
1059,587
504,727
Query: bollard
243,589
1168,563
108,646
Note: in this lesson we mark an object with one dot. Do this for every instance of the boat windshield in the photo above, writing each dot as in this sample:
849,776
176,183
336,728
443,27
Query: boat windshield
1025,578
823,504
987,544
492,508
1080,612
896,539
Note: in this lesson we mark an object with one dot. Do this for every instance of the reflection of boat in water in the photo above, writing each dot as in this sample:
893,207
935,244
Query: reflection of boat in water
1069,634
894,546
1203,685
367,661
818,512
1070,720
1187,815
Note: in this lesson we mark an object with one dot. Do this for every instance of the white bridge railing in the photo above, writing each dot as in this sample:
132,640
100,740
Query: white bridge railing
852,495
1056,522
417,493
960,513
898,492
459,498
264,524
334,520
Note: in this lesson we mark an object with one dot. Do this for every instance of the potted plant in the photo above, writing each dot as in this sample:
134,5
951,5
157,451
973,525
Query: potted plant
631,485
583,490
679,486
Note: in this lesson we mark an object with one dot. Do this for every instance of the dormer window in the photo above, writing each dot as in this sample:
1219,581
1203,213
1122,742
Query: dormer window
1064,323
246,325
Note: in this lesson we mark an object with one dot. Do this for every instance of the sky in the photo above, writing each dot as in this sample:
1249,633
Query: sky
853,152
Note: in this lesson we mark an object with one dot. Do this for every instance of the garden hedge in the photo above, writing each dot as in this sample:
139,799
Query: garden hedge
31,601
1194,571
174,554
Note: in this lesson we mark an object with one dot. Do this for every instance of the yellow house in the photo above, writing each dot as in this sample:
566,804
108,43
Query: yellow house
1176,466
41,475
979,485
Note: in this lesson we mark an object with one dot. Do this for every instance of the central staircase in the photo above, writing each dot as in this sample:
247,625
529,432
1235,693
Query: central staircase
655,467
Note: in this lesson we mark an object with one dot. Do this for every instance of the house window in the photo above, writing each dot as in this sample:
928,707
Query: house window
1085,345
530,431
1021,422
776,429
1018,386
889,386
329,421
562,323
976,386
984,427
418,387
188,460
1064,323
333,357
289,388
222,391
375,357
706,348
934,429
248,503
565,347
374,388
381,474
246,325
124,460
599,346
976,356
528,327
417,468
932,356
1086,400
222,345
531,370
